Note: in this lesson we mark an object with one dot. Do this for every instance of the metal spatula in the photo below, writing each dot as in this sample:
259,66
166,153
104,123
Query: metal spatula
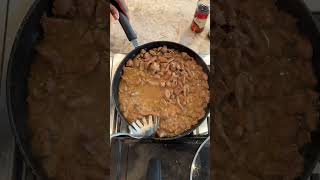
142,128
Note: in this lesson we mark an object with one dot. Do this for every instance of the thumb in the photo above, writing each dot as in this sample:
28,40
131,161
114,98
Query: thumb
114,12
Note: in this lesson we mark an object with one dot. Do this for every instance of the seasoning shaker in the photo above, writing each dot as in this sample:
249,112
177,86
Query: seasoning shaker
200,16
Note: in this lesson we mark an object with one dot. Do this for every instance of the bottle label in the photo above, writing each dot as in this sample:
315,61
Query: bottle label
200,19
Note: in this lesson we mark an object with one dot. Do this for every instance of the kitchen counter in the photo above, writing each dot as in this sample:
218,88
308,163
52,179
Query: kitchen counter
156,20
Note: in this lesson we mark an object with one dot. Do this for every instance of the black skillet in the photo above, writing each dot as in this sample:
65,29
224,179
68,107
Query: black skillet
21,58
307,26
131,35
30,33
148,46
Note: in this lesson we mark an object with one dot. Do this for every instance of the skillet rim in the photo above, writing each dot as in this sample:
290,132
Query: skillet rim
154,44
23,148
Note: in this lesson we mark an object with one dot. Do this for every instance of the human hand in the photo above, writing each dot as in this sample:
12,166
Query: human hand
114,11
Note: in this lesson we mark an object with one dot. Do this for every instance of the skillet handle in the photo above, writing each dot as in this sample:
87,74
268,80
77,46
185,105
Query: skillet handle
124,20
126,26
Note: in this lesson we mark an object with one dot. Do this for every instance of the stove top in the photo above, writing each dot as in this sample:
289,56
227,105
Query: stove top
133,159
139,159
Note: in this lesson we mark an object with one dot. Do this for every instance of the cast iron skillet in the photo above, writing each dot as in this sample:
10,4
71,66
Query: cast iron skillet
29,33
307,26
22,56
148,46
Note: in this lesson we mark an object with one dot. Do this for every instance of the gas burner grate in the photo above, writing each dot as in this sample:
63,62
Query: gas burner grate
120,125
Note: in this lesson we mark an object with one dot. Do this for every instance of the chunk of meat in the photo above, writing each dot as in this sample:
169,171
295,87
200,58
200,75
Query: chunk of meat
167,93
86,8
130,63
79,102
64,8
64,60
155,67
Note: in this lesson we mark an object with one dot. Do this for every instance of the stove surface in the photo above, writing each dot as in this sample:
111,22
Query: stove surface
132,159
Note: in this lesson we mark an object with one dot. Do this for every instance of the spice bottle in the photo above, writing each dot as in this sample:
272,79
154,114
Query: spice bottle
200,16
